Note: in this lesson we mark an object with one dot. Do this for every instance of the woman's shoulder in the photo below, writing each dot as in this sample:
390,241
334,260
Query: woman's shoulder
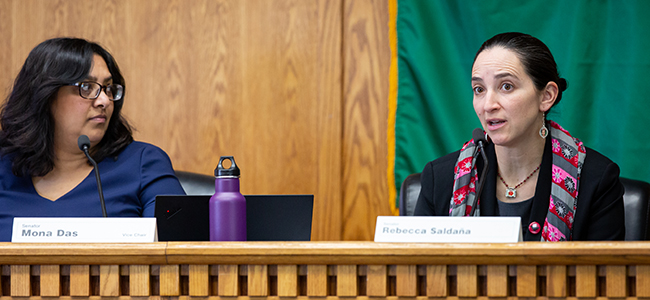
598,171
446,161
138,154
141,147
595,160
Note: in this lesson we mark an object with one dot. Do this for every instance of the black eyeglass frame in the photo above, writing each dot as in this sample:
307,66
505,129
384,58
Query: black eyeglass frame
118,86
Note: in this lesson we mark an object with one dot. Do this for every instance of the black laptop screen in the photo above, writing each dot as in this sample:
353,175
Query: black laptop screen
268,217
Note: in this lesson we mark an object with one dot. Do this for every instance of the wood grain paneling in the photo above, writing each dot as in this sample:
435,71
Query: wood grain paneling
80,280
527,281
467,281
642,281
50,280
406,281
35,20
333,271
6,27
169,280
228,280
317,280
258,280
139,280
295,90
437,281
199,281
109,280
287,281
497,281
367,60
556,281
586,281
616,281
346,280
259,80
376,285
20,281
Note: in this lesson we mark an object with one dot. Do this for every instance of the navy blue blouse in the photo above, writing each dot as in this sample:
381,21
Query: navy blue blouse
130,182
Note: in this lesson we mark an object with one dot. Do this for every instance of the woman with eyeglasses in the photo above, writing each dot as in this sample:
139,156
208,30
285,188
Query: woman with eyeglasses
67,88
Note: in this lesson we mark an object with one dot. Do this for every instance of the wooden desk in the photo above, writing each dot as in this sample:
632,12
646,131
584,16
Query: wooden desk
347,270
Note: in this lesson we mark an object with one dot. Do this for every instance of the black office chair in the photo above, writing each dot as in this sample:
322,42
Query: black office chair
408,194
636,198
195,183
637,209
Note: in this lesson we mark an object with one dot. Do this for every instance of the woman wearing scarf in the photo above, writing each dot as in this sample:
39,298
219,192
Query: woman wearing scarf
537,170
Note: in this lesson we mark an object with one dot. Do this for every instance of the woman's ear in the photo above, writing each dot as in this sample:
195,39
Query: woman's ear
549,95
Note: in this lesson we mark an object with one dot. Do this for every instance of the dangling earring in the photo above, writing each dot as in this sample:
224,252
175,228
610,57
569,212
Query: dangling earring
543,132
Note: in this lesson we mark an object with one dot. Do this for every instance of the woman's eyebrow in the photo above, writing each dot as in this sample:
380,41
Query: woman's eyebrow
497,76
504,75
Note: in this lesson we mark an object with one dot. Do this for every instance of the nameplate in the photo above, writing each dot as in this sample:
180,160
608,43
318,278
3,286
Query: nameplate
448,229
84,230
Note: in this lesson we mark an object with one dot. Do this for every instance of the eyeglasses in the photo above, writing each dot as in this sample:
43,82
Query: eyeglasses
91,90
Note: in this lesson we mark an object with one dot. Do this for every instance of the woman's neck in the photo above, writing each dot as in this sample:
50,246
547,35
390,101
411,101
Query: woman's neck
70,169
69,158
516,163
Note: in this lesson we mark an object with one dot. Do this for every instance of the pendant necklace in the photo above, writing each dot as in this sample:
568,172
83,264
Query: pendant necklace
511,192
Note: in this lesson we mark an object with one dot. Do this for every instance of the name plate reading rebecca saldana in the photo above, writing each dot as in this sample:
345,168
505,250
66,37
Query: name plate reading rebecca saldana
84,230
448,229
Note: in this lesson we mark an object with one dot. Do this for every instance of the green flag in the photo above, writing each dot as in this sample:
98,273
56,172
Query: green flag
601,48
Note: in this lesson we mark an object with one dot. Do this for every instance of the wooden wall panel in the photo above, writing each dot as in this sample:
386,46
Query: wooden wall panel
295,90
35,21
367,60
259,80
6,25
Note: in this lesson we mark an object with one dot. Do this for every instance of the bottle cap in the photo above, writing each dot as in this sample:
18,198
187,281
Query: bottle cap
233,171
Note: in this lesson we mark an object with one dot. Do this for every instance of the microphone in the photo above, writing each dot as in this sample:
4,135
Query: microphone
84,144
479,138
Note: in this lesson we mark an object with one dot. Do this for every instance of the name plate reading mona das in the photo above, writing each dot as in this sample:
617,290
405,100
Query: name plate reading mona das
84,230
448,229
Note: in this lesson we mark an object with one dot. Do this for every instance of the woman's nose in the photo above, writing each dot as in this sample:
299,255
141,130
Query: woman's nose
491,101
102,100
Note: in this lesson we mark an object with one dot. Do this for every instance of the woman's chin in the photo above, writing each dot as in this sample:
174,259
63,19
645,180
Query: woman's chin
95,138
499,140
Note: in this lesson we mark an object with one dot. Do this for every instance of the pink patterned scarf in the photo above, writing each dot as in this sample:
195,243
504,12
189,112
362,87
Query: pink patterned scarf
568,156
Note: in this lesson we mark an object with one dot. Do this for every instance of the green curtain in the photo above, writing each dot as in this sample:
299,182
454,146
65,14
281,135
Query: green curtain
602,48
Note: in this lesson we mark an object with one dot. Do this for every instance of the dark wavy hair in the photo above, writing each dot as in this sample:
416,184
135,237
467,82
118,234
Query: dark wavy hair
534,55
27,134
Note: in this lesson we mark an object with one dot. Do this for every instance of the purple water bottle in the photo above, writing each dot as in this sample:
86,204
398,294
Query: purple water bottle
227,205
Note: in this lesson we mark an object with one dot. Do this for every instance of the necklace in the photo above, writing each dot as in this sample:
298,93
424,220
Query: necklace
511,192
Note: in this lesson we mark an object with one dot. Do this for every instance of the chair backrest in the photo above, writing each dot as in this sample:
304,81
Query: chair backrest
195,183
637,209
636,200
408,194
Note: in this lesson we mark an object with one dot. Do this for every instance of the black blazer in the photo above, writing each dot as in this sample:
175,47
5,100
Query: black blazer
599,214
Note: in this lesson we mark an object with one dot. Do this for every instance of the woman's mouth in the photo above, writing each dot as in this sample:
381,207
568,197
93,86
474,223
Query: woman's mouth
495,123
99,118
